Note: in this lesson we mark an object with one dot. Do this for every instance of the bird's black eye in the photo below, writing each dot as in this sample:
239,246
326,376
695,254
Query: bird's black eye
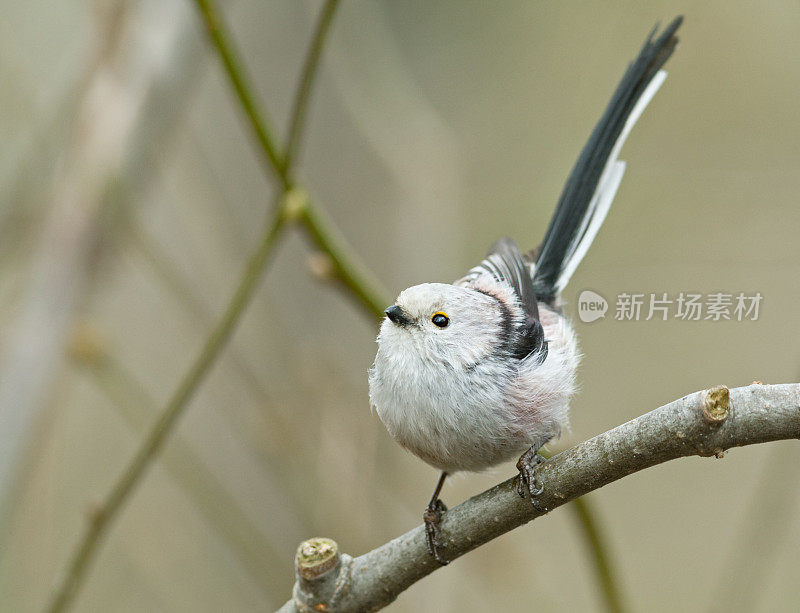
440,319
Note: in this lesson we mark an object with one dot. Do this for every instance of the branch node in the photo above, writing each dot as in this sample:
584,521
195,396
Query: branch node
295,203
716,404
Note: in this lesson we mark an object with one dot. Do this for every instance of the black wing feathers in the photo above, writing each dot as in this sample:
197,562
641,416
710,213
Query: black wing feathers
505,263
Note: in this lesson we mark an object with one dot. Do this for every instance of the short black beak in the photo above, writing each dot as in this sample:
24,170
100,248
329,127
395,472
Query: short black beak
395,313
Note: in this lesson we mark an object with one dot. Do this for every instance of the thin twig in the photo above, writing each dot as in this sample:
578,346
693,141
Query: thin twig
298,118
211,497
348,269
177,284
750,562
244,92
155,438
604,570
754,414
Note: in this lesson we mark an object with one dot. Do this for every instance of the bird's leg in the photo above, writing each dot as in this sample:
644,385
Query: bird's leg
527,464
432,517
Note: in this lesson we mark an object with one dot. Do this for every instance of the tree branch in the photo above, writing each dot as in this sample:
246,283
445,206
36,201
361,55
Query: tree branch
704,423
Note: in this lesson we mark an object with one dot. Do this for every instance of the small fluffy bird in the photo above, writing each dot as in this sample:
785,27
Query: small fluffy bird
473,374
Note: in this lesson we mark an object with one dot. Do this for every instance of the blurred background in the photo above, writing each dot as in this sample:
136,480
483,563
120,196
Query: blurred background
131,196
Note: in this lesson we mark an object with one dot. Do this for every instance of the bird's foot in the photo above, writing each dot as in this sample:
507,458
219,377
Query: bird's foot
526,482
433,518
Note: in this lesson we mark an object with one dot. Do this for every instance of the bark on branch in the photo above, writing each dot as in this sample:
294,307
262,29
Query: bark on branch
704,423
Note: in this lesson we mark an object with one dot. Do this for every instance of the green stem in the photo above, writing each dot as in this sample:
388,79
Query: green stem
153,442
304,86
348,268
177,284
210,496
244,92
604,571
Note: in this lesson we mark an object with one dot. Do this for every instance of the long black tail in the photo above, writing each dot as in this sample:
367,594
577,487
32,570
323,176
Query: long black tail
595,178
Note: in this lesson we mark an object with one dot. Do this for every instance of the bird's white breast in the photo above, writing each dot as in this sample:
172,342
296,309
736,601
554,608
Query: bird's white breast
458,418
451,417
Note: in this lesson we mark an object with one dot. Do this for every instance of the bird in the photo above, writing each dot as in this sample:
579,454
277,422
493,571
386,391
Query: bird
474,373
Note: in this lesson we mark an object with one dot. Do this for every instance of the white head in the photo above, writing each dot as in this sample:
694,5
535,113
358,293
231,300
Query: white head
441,324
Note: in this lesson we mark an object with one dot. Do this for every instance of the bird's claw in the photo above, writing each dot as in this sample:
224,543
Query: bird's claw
526,482
432,518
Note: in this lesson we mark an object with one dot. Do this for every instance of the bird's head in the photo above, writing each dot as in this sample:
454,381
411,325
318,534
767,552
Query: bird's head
441,324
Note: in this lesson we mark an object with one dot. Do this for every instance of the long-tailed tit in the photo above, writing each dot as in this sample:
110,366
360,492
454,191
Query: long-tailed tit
472,374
